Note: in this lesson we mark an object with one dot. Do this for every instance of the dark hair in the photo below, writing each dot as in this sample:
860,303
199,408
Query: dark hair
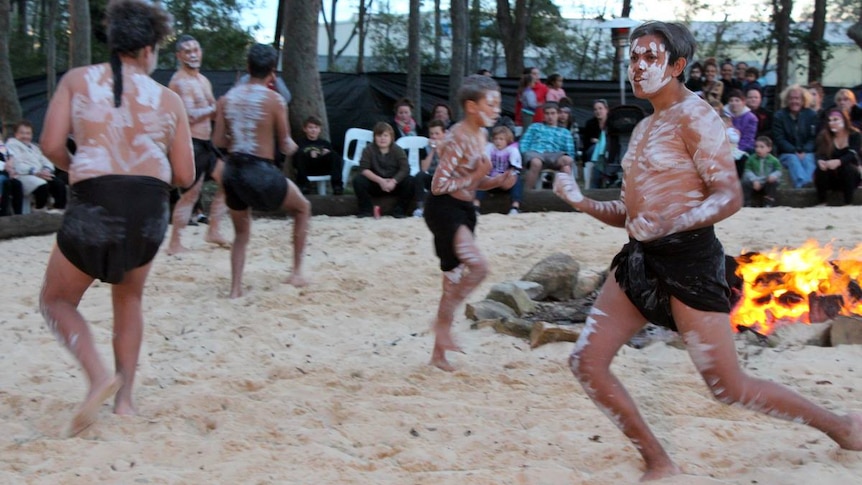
133,25
696,65
383,127
438,123
474,87
735,93
404,102
312,120
680,42
765,140
483,72
752,70
182,40
825,141
20,123
262,59
554,77
551,105
448,111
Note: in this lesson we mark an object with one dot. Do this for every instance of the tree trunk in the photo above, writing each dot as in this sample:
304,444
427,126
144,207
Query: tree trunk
300,63
279,20
414,59
458,12
363,31
513,32
79,40
330,34
627,8
438,33
475,35
10,108
51,47
781,20
855,30
816,44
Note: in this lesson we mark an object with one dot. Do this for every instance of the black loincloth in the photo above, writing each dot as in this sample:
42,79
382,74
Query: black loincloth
114,224
689,266
444,214
206,156
255,182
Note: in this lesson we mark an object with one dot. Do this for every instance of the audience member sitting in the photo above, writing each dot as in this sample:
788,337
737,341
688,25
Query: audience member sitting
555,88
36,173
566,121
793,128
403,123
754,101
815,90
712,88
837,152
428,165
11,191
762,173
442,112
596,142
750,81
846,102
729,80
504,155
733,136
547,146
743,120
695,78
383,170
741,72
316,156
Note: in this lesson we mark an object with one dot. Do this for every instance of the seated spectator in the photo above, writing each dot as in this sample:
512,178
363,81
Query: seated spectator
815,90
528,101
566,121
403,123
846,102
503,120
504,155
596,143
383,170
750,81
555,88
442,112
36,173
712,88
741,72
547,146
733,136
754,101
837,152
743,120
762,173
428,165
793,129
11,191
729,80
316,156
695,78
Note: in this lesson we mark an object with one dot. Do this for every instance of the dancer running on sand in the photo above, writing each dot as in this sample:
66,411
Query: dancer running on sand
133,141
464,167
197,94
680,179
249,120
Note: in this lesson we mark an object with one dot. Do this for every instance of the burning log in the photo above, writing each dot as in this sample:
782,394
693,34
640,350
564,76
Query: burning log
824,307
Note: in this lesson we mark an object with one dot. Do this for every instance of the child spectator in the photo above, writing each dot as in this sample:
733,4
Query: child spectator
315,156
743,120
422,183
403,124
504,155
762,173
383,170
555,88
566,121
529,101
751,76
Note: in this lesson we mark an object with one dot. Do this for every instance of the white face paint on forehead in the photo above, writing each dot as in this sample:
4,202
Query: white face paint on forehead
650,76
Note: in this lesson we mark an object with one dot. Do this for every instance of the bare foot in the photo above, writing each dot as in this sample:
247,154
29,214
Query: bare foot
851,439
236,293
176,249
442,343
296,280
216,238
658,472
86,414
439,361
124,409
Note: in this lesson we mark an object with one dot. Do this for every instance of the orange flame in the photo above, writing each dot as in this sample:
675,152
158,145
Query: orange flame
779,285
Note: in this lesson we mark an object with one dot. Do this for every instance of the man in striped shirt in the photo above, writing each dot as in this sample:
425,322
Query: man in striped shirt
546,146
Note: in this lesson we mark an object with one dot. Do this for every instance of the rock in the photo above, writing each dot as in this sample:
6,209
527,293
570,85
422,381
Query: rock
846,331
797,334
558,275
512,296
534,290
488,310
588,282
544,332
515,327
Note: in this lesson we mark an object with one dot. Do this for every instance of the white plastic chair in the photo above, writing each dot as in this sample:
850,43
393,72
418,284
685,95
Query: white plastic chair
412,145
321,181
361,137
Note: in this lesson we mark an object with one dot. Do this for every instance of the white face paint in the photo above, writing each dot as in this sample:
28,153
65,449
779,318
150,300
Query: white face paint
491,109
648,66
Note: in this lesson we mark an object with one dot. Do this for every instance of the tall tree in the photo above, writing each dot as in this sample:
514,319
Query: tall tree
79,24
362,22
817,46
300,63
438,32
414,58
781,19
458,13
855,30
10,108
51,46
513,33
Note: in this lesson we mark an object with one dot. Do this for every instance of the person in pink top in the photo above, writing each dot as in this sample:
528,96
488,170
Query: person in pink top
555,88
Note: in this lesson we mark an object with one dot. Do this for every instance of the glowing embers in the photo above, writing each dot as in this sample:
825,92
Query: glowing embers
797,285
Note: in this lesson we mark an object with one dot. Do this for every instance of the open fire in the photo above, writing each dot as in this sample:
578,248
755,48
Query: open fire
797,285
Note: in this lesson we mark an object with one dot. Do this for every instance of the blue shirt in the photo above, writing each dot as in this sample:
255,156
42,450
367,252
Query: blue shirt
543,138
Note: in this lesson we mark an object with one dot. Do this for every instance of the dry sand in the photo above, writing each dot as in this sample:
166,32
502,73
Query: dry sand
329,384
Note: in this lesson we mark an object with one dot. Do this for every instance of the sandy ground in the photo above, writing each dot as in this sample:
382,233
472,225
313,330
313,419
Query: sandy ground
330,384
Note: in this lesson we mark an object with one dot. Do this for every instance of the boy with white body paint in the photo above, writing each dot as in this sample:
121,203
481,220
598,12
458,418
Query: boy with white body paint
464,168
679,181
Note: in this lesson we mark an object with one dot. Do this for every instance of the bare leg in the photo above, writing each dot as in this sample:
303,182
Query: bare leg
457,286
709,341
182,212
62,290
217,211
242,233
565,164
612,322
298,206
534,169
128,332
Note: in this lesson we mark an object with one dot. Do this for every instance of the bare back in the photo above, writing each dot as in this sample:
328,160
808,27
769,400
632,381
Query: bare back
196,93
132,139
255,117
675,160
